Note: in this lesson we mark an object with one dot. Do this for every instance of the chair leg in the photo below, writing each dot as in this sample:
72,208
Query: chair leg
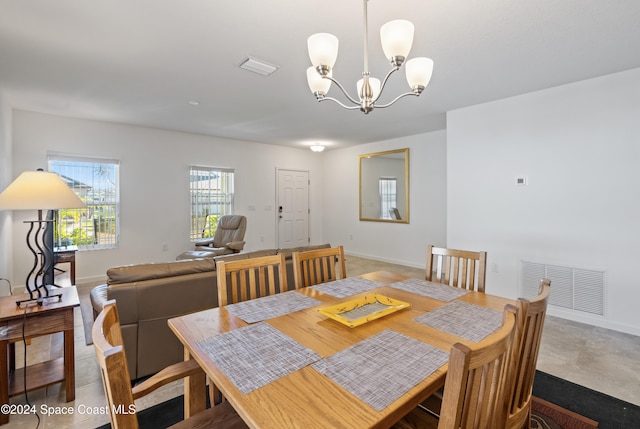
215,396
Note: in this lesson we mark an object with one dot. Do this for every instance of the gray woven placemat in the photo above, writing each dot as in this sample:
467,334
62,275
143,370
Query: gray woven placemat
347,287
256,355
268,307
429,289
462,319
381,369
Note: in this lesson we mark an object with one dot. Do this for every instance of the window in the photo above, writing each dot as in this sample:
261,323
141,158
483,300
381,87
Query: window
211,197
96,182
387,186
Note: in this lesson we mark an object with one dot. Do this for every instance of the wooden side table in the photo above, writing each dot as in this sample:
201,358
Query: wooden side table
62,255
52,317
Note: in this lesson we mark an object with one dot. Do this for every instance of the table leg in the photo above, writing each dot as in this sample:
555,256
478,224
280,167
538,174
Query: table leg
73,270
195,388
69,364
215,395
12,356
4,380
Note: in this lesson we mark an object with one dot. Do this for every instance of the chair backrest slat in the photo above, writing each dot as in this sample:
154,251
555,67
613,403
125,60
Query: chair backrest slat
459,268
251,278
318,266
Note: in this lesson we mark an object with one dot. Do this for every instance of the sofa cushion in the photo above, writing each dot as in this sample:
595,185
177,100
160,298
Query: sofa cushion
195,254
254,254
140,272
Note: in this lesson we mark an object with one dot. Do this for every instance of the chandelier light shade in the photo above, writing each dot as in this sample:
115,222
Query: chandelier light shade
419,71
375,86
316,148
396,38
316,83
323,49
39,190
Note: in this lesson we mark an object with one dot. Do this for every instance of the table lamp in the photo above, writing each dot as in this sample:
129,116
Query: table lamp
38,190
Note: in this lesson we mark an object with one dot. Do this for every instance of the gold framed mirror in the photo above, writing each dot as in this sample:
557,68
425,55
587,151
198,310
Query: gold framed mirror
384,186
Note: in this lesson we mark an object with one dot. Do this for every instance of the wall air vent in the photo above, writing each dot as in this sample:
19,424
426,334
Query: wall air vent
573,288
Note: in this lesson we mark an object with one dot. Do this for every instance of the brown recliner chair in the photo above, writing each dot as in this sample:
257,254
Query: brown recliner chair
229,236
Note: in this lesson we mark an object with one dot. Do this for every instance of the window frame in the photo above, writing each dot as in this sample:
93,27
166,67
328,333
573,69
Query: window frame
206,227
97,195
388,195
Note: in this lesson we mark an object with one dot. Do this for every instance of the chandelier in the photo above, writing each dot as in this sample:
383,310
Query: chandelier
396,37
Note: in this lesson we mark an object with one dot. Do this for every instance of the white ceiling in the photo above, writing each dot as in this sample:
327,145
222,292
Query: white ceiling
141,61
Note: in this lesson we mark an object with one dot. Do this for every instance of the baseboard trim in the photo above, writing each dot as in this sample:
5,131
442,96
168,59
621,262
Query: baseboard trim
593,321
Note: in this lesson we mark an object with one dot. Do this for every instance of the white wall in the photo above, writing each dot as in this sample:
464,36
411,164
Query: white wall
579,147
391,242
154,184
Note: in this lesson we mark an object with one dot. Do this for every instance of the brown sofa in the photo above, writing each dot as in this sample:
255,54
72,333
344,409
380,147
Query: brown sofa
147,295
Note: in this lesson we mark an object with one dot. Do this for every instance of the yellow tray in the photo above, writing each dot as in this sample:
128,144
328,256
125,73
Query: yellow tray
362,310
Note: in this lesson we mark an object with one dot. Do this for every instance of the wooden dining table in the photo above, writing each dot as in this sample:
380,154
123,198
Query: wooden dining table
307,398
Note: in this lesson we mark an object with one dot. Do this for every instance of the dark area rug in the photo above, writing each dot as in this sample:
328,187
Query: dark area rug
609,412
159,416
559,404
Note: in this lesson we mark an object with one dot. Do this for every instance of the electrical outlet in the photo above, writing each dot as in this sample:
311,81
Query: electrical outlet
165,247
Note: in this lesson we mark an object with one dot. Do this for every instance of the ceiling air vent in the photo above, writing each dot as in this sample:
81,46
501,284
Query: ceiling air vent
257,66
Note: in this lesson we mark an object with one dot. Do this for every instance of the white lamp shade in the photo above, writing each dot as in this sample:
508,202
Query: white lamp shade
323,49
316,148
419,71
316,82
39,190
375,87
396,37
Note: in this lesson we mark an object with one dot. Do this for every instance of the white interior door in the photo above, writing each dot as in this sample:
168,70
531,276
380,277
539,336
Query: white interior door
293,208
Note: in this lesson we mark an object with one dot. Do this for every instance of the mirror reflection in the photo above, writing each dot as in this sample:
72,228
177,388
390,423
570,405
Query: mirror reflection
384,186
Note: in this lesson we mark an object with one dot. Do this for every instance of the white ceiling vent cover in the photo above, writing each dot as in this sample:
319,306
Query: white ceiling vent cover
257,66
573,288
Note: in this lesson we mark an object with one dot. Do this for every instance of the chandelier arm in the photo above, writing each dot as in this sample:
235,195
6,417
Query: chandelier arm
382,106
344,91
339,102
384,82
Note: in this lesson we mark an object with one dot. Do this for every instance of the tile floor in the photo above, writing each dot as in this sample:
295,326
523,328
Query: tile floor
597,358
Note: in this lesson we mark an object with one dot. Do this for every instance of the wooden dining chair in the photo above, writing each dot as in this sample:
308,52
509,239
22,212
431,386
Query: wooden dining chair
120,396
476,386
459,268
245,279
318,266
525,357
